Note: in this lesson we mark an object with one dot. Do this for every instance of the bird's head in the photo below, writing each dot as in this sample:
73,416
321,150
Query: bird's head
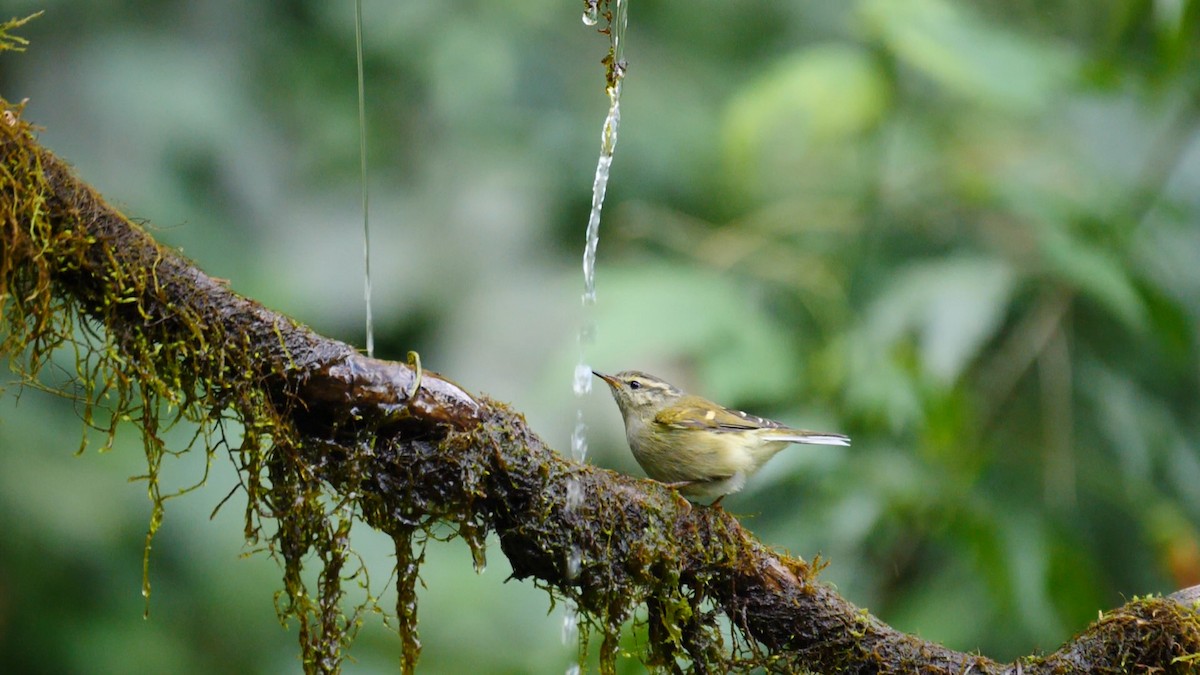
640,394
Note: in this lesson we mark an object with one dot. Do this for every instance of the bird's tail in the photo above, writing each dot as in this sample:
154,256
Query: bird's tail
810,437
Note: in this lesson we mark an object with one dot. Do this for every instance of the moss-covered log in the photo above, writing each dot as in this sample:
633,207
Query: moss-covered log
403,450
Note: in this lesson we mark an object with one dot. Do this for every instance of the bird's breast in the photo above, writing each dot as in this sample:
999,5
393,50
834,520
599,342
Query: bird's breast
671,454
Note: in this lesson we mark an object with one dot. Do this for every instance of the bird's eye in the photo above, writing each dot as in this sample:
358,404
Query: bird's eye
634,384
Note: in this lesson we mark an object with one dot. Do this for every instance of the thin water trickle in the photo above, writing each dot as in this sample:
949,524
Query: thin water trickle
362,159
608,144
599,188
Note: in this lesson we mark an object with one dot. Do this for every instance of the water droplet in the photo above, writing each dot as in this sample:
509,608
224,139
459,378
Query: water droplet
579,445
570,629
591,12
574,563
583,379
574,494
587,333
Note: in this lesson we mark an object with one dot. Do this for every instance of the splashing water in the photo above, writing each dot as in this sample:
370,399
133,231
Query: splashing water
582,386
583,376
578,441
574,495
570,629
574,564
582,381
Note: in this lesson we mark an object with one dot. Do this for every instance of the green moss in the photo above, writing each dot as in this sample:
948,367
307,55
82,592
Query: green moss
1119,643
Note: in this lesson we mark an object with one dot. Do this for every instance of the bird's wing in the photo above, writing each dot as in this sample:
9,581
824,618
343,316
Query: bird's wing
700,414
686,415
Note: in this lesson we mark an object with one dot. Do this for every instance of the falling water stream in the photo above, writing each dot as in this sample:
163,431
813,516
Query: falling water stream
362,158
582,382
582,379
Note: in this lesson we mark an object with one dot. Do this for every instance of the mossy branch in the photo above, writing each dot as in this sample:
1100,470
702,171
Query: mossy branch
321,420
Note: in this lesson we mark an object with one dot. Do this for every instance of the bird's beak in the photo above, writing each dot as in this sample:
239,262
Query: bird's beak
612,381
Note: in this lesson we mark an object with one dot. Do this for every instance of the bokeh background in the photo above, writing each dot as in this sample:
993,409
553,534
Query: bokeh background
963,233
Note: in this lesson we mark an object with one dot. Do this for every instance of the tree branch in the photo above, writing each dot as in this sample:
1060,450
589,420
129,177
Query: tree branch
406,456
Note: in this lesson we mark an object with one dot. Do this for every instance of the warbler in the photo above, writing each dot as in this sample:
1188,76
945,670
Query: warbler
703,449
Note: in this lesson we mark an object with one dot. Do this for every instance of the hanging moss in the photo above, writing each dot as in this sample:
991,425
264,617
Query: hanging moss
149,353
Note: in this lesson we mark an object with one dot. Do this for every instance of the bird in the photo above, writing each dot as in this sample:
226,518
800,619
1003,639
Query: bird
701,448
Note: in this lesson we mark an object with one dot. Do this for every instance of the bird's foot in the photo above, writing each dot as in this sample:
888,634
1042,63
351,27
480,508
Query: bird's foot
675,486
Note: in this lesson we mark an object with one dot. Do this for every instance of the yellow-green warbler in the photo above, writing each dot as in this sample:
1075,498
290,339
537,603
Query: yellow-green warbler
703,449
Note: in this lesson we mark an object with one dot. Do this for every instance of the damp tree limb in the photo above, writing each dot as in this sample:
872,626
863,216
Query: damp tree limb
323,424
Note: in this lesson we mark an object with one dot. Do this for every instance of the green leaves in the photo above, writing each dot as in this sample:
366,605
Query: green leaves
652,313
1095,271
806,102
923,329
967,56
953,306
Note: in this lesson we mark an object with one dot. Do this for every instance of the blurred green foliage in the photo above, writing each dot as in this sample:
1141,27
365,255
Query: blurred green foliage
963,233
